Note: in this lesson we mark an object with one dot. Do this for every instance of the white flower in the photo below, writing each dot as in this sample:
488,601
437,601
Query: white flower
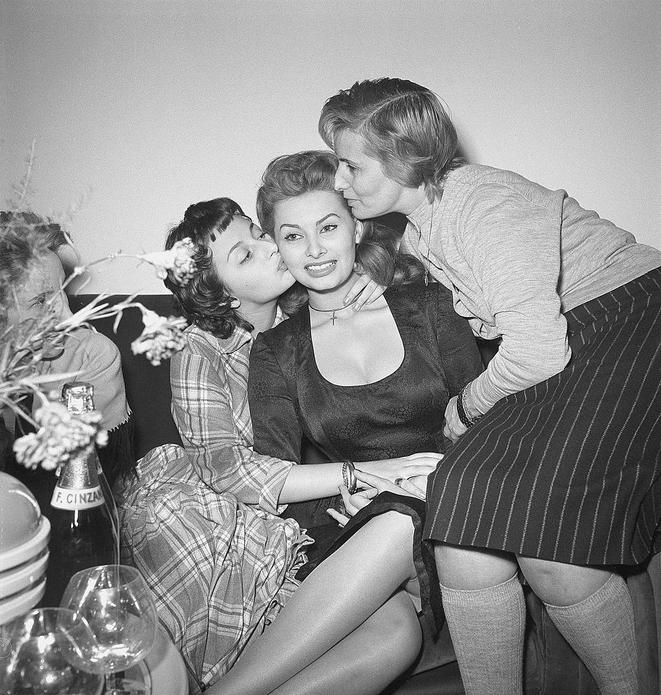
178,260
161,337
61,436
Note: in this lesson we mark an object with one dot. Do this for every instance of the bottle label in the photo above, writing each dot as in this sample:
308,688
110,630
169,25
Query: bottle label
81,498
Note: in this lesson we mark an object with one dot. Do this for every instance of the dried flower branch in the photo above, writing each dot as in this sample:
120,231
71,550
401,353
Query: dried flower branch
24,188
61,437
26,347
161,337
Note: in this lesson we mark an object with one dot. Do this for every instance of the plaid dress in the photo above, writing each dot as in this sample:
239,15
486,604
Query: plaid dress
220,569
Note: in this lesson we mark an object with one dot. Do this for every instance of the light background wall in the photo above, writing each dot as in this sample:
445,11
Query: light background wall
143,107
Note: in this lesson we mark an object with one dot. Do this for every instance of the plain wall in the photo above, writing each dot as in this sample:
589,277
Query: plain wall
141,108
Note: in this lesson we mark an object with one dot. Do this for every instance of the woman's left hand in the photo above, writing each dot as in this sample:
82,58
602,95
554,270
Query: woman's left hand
412,487
453,427
368,290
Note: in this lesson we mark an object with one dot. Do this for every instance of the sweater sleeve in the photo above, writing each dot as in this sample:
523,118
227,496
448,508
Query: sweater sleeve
513,248
223,459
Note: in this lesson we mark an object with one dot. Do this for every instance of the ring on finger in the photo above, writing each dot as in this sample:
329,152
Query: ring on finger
399,481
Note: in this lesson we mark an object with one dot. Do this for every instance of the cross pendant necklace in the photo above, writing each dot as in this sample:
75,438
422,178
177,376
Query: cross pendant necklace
332,311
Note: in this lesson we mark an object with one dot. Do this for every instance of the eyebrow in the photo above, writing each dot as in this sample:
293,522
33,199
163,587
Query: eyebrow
229,253
238,243
317,223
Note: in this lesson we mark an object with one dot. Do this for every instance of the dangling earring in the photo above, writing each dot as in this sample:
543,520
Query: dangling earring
235,303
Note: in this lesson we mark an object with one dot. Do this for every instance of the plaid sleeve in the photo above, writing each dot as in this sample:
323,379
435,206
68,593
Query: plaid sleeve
210,408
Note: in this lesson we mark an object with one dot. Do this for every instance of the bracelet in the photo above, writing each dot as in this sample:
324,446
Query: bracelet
349,476
465,420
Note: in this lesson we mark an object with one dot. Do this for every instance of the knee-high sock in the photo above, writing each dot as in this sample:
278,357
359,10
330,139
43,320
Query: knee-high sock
487,627
600,630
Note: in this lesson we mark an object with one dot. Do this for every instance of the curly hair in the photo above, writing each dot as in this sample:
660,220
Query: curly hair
22,244
205,301
402,124
292,175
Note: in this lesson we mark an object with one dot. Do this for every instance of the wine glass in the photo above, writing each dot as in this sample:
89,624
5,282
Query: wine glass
118,606
39,654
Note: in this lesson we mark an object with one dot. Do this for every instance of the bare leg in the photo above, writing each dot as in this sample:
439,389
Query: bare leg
337,597
366,661
593,610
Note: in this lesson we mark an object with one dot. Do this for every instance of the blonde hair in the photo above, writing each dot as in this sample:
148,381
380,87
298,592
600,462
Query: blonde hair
402,124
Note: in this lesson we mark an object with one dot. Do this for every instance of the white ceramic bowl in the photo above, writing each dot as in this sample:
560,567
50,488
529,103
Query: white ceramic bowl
25,552
21,602
24,575
19,514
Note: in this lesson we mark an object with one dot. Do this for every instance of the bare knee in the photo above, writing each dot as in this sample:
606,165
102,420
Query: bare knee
561,584
395,530
472,568
395,525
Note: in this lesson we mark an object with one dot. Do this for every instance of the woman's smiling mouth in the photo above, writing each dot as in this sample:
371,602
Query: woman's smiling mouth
320,269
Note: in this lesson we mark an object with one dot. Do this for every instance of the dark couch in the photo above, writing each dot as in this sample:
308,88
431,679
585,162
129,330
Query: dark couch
551,667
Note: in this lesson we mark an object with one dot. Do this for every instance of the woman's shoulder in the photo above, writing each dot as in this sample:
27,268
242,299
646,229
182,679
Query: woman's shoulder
198,341
419,293
285,330
479,187
281,345
481,174
197,338
86,345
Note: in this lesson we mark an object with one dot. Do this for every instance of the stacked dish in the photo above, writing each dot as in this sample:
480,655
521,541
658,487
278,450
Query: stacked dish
24,534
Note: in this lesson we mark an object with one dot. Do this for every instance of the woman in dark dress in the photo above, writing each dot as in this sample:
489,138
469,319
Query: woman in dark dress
361,385
207,524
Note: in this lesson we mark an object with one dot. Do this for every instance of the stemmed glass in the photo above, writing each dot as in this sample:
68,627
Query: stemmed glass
119,608
40,654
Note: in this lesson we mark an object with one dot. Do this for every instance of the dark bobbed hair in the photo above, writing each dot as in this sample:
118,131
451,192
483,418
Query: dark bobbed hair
403,125
292,175
205,301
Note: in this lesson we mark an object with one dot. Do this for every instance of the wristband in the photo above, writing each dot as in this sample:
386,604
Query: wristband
465,420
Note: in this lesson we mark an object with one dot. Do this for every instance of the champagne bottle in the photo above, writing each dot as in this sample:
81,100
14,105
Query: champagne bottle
78,397
82,528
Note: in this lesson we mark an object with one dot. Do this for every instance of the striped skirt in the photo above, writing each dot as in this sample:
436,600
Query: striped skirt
569,469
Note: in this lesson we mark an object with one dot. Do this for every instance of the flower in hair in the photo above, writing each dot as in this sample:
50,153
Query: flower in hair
61,437
178,260
160,338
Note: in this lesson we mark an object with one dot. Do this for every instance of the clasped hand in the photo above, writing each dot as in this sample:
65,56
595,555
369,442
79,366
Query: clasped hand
453,427
404,467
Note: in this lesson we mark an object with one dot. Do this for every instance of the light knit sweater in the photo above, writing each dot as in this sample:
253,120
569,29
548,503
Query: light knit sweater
516,256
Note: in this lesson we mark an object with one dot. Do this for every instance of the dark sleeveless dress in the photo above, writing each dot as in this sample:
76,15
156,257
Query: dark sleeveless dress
398,415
